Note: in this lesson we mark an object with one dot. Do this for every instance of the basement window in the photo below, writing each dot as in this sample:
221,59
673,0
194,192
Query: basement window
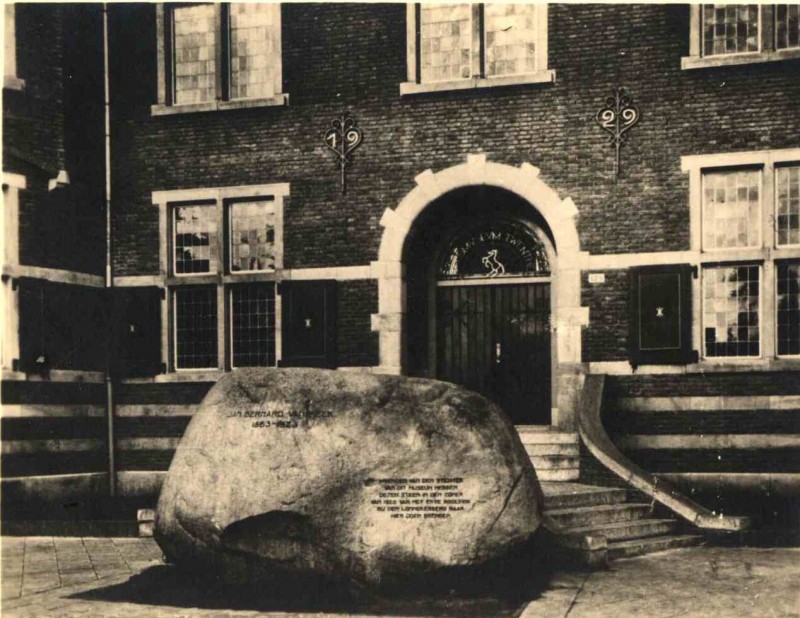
218,56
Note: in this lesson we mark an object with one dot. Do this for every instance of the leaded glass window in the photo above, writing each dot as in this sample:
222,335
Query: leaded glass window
787,26
195,48
252,238
730,28
446,42
195,327
788,299
511,32
787,181
731,209
255,50
195,239
731,307
253,325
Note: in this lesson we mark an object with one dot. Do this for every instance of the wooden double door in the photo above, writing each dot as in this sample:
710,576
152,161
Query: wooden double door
495,339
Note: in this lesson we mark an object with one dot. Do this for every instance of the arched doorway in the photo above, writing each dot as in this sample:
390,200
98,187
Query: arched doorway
404,274
478,288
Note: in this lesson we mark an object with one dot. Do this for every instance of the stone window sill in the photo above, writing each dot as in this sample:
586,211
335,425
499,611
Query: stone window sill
13,83
699,62
213,106
540,77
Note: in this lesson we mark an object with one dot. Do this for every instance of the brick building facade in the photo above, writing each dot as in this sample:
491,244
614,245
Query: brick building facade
232,242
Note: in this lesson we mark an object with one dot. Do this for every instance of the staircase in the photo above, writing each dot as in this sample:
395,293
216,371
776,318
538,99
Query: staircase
629,527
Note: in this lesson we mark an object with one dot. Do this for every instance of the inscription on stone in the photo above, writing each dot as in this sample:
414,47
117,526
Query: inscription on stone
419,498
280,418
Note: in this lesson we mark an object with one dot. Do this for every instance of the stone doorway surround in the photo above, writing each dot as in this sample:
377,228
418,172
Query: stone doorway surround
560,214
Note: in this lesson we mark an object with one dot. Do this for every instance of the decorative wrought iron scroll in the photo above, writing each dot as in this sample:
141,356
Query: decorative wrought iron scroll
343,138
616,117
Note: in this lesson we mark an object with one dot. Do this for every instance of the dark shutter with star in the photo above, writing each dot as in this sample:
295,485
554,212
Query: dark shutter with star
309,323
136,350
661,315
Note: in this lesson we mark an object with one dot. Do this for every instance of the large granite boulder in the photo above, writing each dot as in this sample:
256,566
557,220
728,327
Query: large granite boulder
373,478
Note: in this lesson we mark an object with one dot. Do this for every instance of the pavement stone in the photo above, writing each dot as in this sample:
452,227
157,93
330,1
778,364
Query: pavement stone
47,577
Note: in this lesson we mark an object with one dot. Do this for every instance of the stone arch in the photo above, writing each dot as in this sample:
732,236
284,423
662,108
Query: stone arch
560,215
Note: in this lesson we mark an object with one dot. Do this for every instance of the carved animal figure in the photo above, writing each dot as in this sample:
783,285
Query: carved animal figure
491,262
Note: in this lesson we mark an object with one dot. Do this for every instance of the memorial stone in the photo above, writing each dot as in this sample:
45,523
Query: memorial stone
370,478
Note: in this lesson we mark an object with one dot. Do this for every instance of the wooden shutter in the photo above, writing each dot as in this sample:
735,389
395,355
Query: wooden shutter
661,315
136,349
31,334
308,323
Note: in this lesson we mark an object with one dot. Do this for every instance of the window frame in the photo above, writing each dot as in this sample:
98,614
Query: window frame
174,327
228,208
478,79
767,254
784,164
775,300
759,219
760,313
11,81
230,314
223,279
165,66
767,43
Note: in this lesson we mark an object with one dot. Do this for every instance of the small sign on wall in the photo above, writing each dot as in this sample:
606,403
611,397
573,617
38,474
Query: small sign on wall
597,277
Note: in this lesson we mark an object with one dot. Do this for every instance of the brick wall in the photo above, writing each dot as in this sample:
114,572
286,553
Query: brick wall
352,57
56,123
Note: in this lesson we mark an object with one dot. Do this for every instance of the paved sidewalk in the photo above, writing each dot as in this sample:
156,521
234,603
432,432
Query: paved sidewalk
68,577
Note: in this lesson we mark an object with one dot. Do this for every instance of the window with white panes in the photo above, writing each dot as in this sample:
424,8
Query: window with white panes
215,55
477,43
746,229
222,258
511,38
731,308
731,209
194,239
252,236
787,197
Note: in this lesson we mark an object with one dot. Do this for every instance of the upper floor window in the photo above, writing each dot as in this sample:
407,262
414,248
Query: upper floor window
725,34
458,46
218,56
731,209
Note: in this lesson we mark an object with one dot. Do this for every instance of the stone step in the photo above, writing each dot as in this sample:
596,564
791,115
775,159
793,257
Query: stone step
548,437
586,516
538,450
570,474
564,495
629,530
638,547
555,462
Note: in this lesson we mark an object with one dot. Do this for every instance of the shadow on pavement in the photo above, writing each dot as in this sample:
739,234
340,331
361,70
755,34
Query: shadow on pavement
170,586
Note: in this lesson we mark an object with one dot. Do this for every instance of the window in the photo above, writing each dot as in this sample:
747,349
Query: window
218,56
195,327
730,28
788,301
220,258
731,209
787,26
748,279
10,79
252,236
253,325
731,311
457,46
787,180
725,34
195,240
